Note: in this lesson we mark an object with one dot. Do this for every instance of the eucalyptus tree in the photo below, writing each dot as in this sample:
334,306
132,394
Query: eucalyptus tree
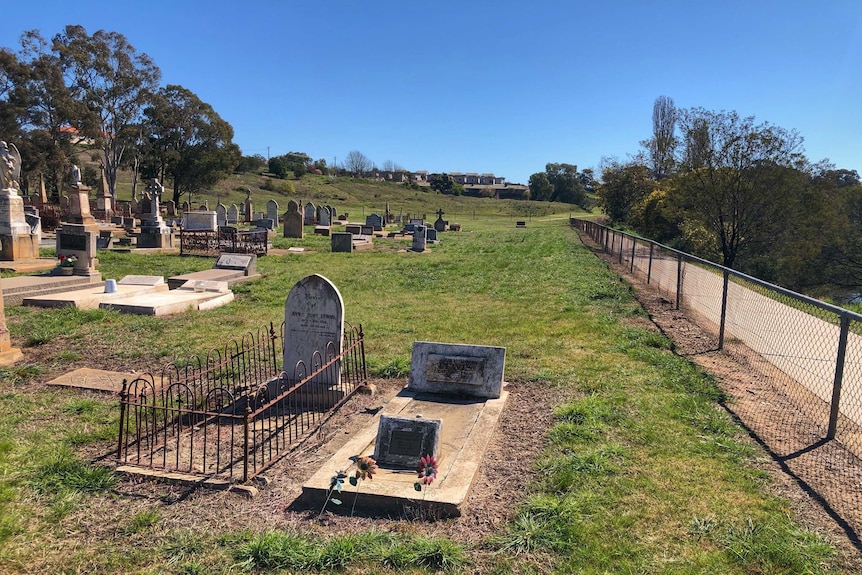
112,82
188,142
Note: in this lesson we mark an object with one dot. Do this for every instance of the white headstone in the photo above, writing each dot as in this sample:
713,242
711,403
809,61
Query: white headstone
313,329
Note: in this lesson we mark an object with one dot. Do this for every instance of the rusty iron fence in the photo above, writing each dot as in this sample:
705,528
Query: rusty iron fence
233,414
806,403
224,240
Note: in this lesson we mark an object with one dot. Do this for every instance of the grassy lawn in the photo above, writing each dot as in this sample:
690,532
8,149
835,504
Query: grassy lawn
641,471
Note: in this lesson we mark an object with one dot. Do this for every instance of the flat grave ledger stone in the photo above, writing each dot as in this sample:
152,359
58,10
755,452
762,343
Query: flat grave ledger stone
457,369
272,210
230,268
353,229
402,441
313,325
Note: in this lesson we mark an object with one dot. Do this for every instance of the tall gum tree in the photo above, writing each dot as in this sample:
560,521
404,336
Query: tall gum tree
113,82
739,180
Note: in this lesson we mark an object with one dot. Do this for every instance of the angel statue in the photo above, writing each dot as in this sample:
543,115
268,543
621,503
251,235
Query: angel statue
10,166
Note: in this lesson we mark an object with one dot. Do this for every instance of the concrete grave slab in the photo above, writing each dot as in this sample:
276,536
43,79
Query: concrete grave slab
92,297
95,379
467,428
457,369
230,268
194,295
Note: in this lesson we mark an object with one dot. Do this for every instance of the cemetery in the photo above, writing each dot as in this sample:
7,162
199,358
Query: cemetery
431,416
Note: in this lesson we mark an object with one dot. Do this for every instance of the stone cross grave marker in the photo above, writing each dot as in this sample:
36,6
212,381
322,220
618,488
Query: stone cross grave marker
401,441
313,329
456,369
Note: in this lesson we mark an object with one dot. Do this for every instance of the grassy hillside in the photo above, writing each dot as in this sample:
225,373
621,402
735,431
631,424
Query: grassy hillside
360,197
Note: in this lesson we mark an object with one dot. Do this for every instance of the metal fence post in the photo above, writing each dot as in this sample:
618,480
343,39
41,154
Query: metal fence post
622,240
634,245
839,377
678,279
726,283
649,265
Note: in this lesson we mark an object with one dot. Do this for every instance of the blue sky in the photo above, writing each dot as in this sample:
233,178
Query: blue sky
490,86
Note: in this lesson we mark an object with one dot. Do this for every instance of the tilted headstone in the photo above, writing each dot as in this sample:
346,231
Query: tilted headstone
310,214
402,441
293,227
457,369
272,210
247,263
313,329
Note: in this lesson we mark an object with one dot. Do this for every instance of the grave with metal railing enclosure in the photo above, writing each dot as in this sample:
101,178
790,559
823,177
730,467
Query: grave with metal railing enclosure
228,417
226,239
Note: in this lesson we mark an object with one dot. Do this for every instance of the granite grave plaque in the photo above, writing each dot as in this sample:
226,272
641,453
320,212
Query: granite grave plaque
402,441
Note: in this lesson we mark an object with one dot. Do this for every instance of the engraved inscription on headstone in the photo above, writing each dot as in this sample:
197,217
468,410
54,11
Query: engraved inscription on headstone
72,242
457,369
401,441
407,443
313,327
446,369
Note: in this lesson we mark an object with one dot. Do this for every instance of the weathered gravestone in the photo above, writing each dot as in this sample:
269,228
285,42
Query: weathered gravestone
418,239
221,214
293,221
310,214
232,214
272,210
324,216
342,242
457,369
431,235
375,221
401,441
313,330
200,221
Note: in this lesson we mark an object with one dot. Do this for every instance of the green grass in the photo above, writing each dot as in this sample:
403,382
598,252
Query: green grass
642,471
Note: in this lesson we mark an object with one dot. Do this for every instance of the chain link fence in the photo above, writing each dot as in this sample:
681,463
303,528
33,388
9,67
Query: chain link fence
803,399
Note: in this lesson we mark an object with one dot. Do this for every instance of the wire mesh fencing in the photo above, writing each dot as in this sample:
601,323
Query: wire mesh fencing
804,402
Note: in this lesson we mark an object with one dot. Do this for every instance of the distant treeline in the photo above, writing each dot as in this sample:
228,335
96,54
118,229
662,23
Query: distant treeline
742,194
